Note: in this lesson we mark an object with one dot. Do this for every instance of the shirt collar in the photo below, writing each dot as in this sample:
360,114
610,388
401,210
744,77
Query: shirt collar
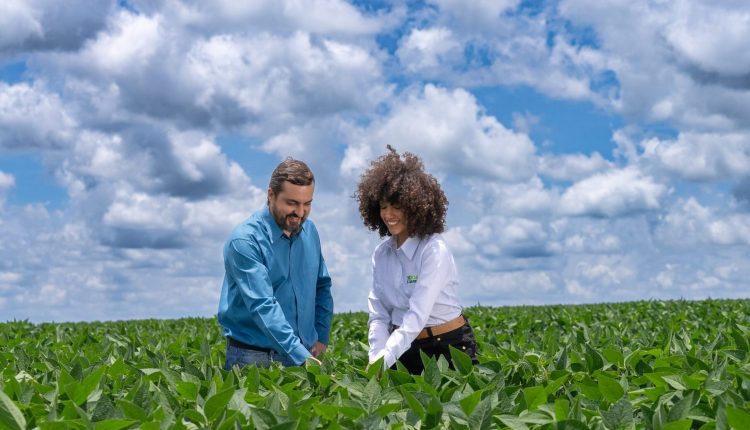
276,231
409,247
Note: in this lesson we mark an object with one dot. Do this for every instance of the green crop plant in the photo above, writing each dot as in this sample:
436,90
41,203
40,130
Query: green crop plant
661,365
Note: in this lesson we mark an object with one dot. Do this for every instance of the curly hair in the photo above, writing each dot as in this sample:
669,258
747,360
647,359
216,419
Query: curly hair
401,180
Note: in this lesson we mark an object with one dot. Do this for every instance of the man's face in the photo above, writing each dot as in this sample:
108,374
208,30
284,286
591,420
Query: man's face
291,206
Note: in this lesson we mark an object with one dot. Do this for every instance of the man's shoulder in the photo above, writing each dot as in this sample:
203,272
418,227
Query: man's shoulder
253,226
309,226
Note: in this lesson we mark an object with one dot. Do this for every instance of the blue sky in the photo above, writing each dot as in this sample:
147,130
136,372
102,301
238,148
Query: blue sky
592,151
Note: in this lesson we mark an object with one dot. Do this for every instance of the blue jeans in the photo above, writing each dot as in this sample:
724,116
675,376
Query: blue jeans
243,357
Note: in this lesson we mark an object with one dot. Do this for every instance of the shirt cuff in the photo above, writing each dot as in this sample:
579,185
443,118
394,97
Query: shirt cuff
299,355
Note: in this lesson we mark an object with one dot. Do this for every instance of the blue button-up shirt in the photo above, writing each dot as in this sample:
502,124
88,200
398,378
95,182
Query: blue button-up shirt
277,291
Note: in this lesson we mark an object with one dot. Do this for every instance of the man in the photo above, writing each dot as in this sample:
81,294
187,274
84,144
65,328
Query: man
276,302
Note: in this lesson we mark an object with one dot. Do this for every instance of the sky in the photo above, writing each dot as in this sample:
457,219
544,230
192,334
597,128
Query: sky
591,150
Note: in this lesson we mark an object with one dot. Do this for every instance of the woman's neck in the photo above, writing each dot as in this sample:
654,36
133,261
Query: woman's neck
400,239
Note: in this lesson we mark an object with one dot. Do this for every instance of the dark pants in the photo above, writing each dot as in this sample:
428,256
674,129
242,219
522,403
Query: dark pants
461,338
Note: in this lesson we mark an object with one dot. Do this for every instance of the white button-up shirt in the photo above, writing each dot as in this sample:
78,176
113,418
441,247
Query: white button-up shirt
414,287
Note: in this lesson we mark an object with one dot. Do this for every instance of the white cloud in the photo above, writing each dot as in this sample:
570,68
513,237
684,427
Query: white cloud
712,36
690,223
125,104
316,16
702,156
693,72
154,66
587,238
6,181
18,21
498,288
130,45
614,193
731,230
572,167
685,223
451,132
49,24
32,117
10,278
482,12
575,289
429,50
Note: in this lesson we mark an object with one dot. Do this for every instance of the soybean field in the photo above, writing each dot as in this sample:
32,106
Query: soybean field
661,365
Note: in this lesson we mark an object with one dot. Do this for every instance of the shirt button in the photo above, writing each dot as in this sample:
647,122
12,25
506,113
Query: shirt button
438,339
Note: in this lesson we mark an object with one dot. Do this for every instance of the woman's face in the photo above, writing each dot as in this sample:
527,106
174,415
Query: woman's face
395,220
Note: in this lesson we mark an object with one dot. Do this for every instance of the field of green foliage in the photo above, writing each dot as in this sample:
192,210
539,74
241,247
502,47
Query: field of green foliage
646,365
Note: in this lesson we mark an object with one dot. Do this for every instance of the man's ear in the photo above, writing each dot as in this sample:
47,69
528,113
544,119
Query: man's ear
270,194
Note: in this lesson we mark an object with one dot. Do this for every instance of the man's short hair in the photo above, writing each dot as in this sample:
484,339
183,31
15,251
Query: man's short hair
290,170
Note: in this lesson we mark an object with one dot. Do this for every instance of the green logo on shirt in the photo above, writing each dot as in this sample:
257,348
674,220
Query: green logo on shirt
411,279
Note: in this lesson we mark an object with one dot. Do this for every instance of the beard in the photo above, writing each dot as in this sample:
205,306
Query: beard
290,223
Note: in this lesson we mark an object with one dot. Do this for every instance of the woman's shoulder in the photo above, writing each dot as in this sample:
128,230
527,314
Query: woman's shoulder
434,239
435,243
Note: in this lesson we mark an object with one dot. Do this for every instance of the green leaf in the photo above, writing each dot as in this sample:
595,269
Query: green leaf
481,416
740,339
737,418
432,373
326,411
562,409
610,388
674,381
562,362
678,425
461,360
434,411
619,416
216,404
104,409
571,425
513,422
371,395
414,404
469,402
375,369
90,383
131,410
187,390
594,359
195,417
682,408
555,385
534,396
114,424
10,416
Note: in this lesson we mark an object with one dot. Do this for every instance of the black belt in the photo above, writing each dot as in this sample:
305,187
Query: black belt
238,344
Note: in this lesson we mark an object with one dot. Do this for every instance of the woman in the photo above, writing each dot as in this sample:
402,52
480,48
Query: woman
413,302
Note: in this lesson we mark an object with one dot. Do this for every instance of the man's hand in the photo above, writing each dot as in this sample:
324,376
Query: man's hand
318,349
